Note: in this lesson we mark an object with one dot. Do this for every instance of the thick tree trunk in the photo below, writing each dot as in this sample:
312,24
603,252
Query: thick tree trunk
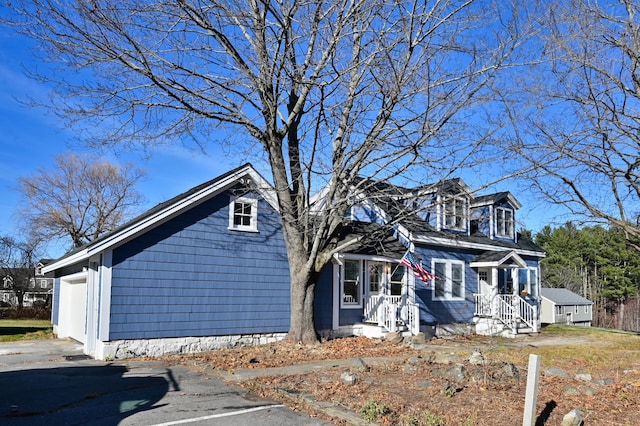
302,327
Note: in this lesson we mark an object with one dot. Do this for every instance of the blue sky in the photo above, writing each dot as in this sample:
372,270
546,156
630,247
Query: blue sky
30,139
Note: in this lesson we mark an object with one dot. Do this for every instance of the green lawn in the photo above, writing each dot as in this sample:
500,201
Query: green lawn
12,330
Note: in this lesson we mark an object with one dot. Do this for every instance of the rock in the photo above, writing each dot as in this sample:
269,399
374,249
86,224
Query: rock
348,378
586,377
570,390
574,417
604,382
476,358
511,370
394,337
360,365
418,339
446,359
587,390
416,360
457,372
556,372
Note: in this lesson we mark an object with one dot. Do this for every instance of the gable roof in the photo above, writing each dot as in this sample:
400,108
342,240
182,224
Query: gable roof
420,232
166,210
484,200
498,258
563,296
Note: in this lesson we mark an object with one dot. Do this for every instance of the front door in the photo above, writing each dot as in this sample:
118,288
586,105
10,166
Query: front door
484,282
376,271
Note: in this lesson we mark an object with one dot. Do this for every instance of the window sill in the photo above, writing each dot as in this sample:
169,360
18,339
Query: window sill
255,231
350,306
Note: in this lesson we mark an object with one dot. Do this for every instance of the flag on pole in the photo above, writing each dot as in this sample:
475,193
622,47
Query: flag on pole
410,261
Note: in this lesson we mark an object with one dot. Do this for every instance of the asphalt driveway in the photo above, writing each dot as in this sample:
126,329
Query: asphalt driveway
50,382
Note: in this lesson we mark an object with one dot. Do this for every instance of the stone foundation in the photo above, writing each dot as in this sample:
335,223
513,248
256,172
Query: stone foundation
121,349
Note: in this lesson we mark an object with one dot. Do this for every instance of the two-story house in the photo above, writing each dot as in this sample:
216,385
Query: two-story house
36,288
481,276
208,269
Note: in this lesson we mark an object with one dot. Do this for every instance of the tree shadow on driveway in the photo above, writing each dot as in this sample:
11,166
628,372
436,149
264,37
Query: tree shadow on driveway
98,395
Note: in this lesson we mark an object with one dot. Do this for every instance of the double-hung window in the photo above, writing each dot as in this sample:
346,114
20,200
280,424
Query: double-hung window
504,222
528,281
243,214
455,213
449,282
351,283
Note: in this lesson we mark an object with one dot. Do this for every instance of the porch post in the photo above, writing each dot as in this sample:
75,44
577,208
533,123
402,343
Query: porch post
493,296
515,300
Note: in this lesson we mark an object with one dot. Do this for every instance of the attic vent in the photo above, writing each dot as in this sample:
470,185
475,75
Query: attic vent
246,181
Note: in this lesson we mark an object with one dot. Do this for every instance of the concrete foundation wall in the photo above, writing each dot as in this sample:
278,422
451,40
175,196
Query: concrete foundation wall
121,349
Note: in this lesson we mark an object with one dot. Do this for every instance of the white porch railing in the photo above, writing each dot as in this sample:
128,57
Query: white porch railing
413,317
374,302
508,308
387,311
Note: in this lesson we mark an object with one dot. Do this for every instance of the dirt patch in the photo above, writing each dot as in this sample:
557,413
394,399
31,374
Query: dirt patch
422,386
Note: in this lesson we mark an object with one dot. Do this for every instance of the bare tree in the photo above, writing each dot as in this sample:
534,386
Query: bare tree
332,91
81,199
18,265
581,129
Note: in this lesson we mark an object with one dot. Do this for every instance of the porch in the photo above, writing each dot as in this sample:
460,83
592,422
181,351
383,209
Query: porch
390,314
505,314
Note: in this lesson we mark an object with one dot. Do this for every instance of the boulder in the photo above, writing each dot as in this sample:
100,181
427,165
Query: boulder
574,417
348,378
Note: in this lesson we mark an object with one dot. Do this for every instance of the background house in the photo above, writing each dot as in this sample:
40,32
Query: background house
562,306
39,288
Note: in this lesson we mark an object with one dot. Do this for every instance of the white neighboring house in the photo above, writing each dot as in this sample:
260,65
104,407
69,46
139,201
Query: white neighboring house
562,306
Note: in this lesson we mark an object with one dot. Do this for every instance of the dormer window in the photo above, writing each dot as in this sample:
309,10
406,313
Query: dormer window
504,222
243,214
455,213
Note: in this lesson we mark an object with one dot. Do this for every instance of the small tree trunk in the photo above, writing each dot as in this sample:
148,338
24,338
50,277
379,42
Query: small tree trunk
621,315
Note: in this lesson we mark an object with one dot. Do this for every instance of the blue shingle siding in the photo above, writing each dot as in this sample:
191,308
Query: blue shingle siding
323,300
350,316
447,311
192,276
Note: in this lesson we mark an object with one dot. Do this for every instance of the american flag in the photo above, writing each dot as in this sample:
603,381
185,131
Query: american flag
410,261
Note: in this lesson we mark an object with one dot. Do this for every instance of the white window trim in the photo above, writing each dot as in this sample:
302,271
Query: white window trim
361,283
465,213
507,233
448,263
253,227
528,286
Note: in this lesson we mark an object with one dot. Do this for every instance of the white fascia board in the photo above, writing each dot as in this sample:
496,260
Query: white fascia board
446,242
265,189
512,254
67,261
372,258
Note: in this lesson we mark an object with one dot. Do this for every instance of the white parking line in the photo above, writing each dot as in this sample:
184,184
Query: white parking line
216,416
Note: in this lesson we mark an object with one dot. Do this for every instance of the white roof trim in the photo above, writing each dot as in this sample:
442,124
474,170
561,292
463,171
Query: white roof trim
517,259
262,186
446,242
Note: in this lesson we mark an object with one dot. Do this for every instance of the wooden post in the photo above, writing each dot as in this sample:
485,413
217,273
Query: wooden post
533,372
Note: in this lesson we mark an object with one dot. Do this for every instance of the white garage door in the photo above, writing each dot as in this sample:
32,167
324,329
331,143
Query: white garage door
73,308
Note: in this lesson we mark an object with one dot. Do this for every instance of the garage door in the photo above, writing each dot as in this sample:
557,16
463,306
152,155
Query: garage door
73,308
